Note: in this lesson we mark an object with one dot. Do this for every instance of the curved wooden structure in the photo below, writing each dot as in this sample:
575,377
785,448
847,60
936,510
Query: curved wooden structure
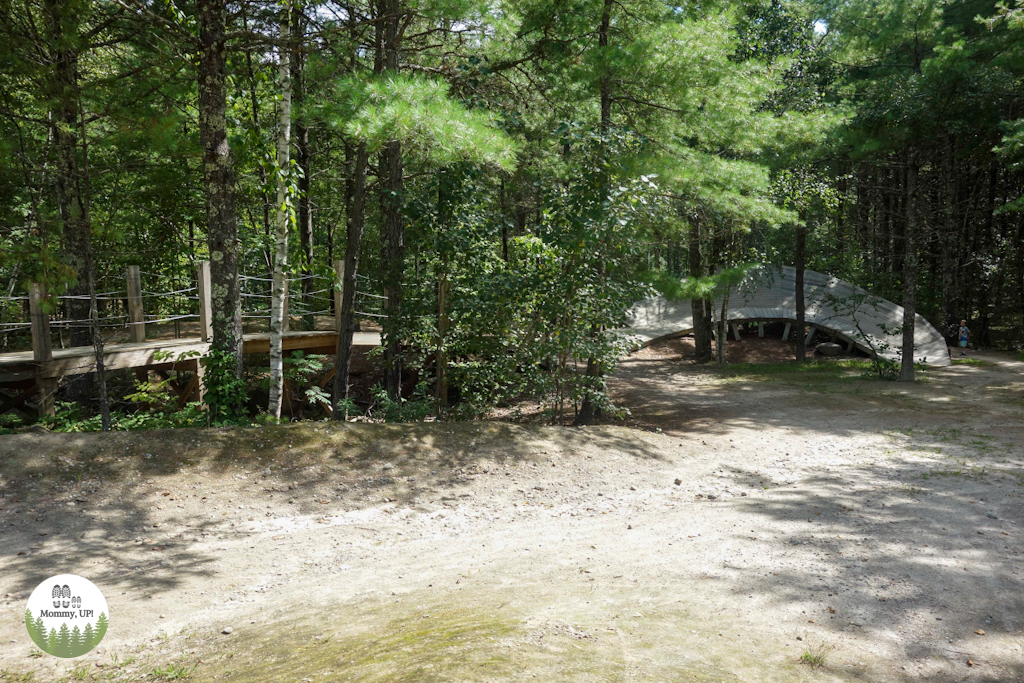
832,306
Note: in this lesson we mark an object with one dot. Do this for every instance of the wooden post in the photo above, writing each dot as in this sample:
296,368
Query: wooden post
760,329
736,332
849,346
339,289
136,318
205,302
42,351
785,333
810,335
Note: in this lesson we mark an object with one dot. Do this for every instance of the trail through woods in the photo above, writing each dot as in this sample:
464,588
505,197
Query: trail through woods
877,522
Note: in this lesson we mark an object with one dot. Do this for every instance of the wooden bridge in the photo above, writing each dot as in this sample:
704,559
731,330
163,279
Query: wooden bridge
26,375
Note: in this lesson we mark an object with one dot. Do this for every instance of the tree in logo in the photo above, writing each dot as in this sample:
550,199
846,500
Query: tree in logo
75,629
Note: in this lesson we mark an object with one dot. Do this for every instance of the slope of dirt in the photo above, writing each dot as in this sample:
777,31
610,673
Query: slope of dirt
874,523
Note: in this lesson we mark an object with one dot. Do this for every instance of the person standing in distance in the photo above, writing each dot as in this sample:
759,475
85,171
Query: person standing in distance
964,334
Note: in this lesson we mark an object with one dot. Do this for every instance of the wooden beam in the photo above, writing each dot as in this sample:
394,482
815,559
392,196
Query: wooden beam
736,332
42,350
327,378
785,333
315,341
810,335
760,329
119,356
17,401
190,388
205,302
136,317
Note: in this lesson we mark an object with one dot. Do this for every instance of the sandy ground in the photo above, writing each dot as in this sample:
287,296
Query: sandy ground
735,522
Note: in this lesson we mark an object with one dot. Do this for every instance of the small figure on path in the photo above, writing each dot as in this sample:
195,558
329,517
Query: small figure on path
964,333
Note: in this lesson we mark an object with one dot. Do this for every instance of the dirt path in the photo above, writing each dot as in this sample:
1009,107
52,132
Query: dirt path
876,523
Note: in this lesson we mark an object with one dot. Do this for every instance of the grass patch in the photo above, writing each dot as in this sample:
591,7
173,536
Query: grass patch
968,472
173,672
813,368
816,656
972,361
7,676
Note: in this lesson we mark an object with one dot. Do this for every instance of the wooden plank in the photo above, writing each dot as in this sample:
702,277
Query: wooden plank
318,341
120,357
205,302
136,318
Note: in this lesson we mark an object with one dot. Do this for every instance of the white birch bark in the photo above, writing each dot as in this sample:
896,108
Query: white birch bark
279,290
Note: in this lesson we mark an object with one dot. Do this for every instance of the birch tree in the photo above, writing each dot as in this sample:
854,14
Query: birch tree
280,286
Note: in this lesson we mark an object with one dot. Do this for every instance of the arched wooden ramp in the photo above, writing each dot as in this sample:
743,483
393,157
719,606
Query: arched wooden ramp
869,322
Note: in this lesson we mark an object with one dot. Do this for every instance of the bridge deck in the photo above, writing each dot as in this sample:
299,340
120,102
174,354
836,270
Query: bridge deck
19,366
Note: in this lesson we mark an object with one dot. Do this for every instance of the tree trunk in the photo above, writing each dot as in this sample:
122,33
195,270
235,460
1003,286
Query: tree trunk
304,216
62,30
910,270
722,333
219,182
801,312
699,307
277,301
594,370
391,197
356,220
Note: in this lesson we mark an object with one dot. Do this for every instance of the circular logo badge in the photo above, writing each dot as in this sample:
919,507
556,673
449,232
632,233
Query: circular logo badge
66,616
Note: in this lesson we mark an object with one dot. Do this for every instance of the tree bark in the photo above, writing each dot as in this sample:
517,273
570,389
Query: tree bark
392,192
722,332
303,159
62,30
909,270
356,221
801,245
594,372
277,301
219,181
699,307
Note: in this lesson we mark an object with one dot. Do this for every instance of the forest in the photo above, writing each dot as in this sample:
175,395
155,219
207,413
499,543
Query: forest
490,185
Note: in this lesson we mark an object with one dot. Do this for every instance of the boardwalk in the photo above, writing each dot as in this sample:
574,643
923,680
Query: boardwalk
160,353
25,375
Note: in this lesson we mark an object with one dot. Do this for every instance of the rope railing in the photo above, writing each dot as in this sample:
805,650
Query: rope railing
122,311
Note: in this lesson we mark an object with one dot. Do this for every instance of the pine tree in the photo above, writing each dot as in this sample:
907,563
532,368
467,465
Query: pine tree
76,645
101,629
64,641
88,638
33,630
52,643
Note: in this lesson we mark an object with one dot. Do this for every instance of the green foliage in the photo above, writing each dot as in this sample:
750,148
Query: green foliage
173,672
225,391
421,114
69,417
401,409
